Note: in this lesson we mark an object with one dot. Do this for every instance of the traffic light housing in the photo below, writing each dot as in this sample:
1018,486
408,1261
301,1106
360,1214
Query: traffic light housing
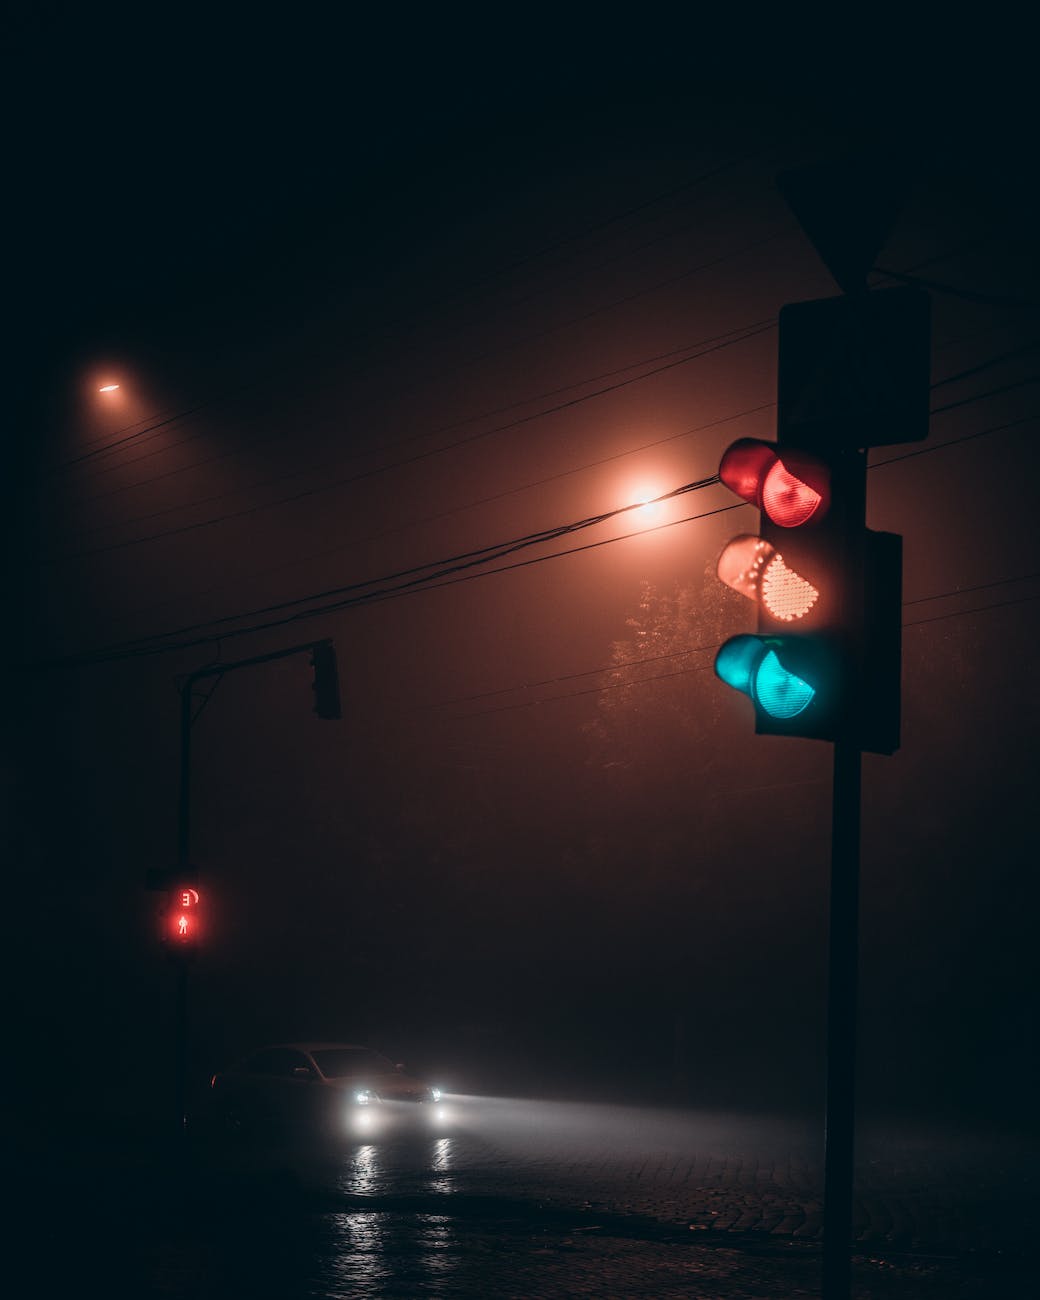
825,661
326,681
796,668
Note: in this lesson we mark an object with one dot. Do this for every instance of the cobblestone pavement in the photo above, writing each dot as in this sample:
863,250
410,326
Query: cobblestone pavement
715,1172
537,1199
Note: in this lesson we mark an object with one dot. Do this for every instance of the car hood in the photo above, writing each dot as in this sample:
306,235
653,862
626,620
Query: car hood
390,1087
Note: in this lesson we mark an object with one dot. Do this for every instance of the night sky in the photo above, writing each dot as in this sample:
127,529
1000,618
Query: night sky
374,314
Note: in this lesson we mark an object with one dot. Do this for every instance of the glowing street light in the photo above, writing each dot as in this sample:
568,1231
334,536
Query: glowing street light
108,388
644,500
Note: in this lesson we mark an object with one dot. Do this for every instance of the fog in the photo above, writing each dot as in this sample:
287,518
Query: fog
515,861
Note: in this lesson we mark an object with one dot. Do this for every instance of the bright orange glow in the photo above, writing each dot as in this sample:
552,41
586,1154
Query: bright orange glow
108,388
785,595
757,570
651,511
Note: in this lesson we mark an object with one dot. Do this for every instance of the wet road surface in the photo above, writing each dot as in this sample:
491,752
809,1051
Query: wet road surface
525,1199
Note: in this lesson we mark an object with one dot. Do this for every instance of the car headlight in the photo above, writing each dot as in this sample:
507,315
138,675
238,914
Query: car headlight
436,1094
363,1096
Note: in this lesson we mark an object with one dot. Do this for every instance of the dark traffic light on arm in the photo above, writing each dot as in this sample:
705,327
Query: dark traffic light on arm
326,681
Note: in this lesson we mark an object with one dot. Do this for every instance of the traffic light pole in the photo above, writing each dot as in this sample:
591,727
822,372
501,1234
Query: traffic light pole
842,986
854,373
182,959
843,928
187,701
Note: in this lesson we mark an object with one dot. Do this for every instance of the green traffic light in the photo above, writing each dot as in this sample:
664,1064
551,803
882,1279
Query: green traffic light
754,665
781,694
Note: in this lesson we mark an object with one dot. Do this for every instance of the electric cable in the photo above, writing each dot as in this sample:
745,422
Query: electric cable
690,183
969,295
443,428
683,672
410,460
518,341
309,558
150,644
620,455
424,455
952,442
107,445
448,576
220,496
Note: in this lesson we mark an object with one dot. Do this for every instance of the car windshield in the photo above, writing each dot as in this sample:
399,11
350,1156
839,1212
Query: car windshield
344,1062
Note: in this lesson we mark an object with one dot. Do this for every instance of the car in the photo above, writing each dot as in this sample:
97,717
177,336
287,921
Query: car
323,1090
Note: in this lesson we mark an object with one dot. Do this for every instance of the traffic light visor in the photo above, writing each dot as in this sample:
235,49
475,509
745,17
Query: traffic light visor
736,661
790,486
744,465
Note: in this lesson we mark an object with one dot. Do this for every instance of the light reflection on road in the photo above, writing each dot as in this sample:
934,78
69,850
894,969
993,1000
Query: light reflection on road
375,1252
365,1170
358,1256
508,1203
441,1164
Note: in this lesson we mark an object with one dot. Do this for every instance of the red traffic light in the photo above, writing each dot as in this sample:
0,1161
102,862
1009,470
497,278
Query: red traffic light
181,926
791,487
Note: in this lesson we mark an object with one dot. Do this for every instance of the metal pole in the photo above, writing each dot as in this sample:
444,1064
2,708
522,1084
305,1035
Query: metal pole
184,853
843,969
181,1048
184,800
183,827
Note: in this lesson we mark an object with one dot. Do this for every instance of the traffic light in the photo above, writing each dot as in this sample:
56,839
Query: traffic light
326,681
182,920
793,669
825,660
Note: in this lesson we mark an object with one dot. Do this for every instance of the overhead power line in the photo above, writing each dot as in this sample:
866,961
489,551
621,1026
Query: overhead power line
411,523
952,442
104,445
735,335
740,330
448,573
438,575
321,488
632,682
520,339
265,376
108,524
311,556
970,295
